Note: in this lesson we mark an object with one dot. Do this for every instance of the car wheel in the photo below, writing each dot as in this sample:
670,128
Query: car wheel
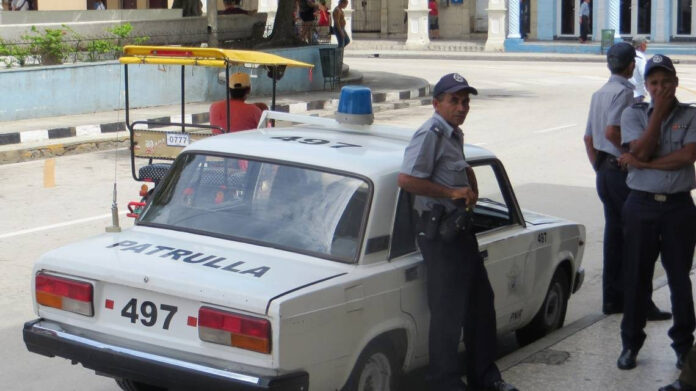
132,385
376,370
552,313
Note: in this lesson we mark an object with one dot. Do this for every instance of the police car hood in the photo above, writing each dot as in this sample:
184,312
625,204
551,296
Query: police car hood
535,218
232,274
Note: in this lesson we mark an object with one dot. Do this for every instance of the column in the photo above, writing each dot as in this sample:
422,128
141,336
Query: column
270,7
496,26
417,25
662,28
514,19
613,11
348,12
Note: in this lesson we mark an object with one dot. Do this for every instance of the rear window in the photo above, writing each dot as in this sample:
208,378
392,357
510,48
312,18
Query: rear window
272,204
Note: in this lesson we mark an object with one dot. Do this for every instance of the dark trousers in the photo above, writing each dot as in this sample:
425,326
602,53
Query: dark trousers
655,227
612,191
459,295
584,27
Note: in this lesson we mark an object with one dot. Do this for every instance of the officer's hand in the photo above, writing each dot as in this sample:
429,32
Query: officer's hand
662,100
465,193
627,159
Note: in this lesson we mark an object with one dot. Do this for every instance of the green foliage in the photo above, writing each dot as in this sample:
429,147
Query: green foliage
13,53
49,47
123,37
98,47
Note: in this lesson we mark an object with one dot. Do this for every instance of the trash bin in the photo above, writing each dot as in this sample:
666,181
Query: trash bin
331,65
607,40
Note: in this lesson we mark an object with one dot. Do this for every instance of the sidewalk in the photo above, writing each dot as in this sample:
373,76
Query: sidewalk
582,356
55,136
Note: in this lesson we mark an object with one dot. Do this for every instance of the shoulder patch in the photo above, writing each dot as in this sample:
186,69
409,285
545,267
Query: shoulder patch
437,129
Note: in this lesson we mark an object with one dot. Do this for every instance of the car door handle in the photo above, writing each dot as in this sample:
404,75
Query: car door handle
411,273
484,254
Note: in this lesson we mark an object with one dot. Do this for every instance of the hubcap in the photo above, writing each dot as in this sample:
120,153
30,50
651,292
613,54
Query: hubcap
376,375
552,307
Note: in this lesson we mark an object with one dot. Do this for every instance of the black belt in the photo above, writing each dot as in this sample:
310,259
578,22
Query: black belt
681,196
608,160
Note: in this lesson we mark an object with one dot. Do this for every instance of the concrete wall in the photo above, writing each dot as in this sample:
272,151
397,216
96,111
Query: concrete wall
86,88
58,17
178,30
456,20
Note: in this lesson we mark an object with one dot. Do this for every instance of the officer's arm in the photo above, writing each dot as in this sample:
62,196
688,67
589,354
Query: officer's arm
472,182
428,188
674,161
591,151
613,134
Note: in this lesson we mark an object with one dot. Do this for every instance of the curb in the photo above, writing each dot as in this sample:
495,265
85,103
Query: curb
44,143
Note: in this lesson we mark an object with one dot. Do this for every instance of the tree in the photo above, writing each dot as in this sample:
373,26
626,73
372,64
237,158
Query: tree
284,34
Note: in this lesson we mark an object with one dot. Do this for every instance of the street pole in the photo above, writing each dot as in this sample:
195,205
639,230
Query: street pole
212,23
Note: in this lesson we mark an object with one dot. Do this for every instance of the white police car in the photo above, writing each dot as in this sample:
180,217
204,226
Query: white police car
284,259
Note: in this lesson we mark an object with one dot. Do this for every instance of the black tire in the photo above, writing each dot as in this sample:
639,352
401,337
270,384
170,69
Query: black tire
132,385
377,369
552,313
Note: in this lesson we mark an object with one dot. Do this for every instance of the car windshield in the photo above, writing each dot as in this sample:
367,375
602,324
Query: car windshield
272,204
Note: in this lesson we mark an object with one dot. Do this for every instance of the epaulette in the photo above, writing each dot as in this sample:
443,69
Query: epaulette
640,105
437,128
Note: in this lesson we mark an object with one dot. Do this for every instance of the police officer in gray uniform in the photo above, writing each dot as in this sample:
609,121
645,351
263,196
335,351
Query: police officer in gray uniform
603,145
459,292
659,214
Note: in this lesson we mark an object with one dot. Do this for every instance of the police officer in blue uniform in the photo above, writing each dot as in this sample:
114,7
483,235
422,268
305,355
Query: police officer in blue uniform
603,145
459,292
659,214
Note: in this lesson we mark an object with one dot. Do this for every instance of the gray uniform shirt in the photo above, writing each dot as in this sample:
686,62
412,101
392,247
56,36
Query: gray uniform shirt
584,9
676,131
436,153
605,110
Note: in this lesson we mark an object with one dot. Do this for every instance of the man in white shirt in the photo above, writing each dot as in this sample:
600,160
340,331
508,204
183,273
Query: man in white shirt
639,93
20,5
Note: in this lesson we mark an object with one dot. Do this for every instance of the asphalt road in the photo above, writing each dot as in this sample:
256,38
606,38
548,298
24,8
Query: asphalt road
531,114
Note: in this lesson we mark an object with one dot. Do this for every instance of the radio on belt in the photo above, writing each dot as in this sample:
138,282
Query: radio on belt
355,106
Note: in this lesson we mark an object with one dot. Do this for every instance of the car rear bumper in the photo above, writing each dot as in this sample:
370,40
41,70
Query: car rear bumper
579,279
117,360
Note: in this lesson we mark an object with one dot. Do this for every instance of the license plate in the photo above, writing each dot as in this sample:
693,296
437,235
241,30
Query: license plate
149,314
178,139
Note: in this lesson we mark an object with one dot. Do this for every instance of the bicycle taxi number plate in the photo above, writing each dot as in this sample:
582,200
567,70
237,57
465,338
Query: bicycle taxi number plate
178,139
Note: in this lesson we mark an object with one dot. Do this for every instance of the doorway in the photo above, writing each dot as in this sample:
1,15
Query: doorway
367,15
569,17
635,18
684,18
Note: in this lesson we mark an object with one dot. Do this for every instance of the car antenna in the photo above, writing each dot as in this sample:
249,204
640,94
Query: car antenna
115,227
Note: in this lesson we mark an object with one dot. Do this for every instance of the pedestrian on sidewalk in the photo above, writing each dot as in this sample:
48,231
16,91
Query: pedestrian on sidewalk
232,8
659,213
603,146
243,116
306,13
584,20
639,93
339,20
459,292
20,5
433,19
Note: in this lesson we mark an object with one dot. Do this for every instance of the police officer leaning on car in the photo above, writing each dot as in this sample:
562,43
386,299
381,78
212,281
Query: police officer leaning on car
659,214
459,292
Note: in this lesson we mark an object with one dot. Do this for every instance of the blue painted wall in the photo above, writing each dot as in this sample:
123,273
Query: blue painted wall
34,92
546,19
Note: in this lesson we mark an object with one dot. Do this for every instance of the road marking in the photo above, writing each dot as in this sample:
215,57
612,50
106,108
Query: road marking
59,225
554,129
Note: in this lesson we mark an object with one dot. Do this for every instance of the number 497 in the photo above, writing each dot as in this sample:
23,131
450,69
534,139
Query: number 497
147,313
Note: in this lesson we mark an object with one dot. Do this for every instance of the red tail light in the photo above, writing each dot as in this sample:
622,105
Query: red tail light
65,294
236,330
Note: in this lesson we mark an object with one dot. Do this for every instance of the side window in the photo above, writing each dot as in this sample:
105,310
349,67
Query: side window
403,239
492,209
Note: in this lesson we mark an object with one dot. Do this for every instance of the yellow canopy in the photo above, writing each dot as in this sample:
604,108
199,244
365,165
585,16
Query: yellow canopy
209,57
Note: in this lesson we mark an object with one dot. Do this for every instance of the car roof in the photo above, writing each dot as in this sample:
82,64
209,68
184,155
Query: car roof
363,150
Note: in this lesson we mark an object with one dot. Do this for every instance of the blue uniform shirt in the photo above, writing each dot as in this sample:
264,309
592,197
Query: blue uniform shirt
436,153
605,110
676,131
584,9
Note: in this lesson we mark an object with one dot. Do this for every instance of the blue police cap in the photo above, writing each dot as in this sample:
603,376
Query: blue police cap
451,83
659,61
620,55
